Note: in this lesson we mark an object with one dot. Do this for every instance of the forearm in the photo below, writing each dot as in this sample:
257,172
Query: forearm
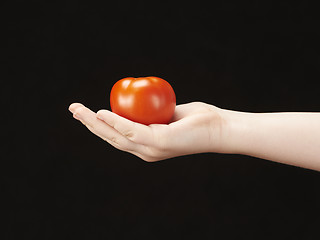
290,138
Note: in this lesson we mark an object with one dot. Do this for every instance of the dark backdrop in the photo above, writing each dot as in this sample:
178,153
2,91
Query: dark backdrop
59,181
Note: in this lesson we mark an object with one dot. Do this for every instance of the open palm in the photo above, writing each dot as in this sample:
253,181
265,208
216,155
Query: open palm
196,127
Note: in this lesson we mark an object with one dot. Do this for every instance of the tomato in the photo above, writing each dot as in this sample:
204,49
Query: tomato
146,100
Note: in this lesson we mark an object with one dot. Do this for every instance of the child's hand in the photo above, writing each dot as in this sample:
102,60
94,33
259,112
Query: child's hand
196,127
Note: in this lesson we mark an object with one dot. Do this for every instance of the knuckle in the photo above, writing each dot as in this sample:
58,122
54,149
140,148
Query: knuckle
119,143
114,140
130,135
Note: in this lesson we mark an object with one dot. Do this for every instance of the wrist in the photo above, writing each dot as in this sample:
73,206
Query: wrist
235,130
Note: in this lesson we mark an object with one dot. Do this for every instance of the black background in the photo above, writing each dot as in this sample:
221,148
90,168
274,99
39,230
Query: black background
59,181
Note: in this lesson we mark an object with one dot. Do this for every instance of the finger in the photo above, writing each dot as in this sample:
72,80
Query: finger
102,130
74,106
135,132
187,109
181,111
114,141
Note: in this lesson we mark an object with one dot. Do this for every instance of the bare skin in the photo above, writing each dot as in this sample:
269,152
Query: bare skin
290,138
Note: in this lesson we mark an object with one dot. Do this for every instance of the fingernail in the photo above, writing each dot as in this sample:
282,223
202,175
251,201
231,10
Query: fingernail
70,108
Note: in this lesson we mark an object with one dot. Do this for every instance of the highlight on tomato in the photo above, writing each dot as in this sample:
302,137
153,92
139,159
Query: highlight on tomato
146,100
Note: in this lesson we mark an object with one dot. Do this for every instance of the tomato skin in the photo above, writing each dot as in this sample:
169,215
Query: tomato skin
146,100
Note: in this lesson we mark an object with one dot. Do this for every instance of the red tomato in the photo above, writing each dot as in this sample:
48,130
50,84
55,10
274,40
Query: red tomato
146,100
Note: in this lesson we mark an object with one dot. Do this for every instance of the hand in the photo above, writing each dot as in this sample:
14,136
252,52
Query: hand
195,128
